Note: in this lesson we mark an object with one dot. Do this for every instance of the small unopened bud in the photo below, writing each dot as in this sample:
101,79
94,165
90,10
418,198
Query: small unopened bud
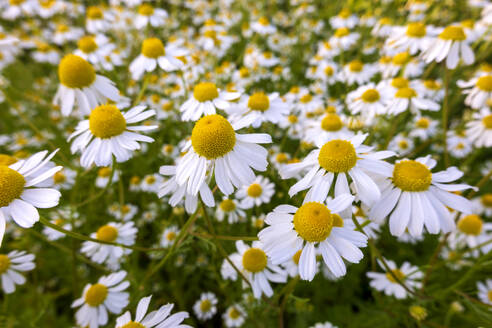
417,312
457,307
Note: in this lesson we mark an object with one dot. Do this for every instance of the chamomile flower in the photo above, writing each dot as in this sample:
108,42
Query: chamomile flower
424,127
485,291
234,316
408,98
412,38
94,48
104,174
121,233
257,268
206,307
478,91
479,130
262,26
159,318
109,132
205,100
97,299
169,236
64,179
97,20
147,14
452,44
370,100
151,183
401,144
229,208
357,72
343,38
79,82
258,108
313,224
332,162
414,197
471,232
53,234
385,282
20,192
216,147
483,204
257,193
123,212
16,9
458,145
154,53
10,265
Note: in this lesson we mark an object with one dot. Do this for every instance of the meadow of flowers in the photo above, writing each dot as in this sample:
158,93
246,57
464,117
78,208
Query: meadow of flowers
239,163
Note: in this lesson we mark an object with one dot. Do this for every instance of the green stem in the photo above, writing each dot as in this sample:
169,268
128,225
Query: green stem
445,110
142,90
103,191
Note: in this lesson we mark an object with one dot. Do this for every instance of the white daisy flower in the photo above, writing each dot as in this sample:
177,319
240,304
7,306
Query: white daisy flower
154,53
15,9
169,235
97,20
159,318
408,98
485,290
94,49
79,82
53,234
343,38
123,212
206,307
10,265
423,128
109,132
412,38
451,44
344,19
414,197
262,26
205,100
325,128
234,316
257,193
20,192
483,204
313,224
259,108
147,14
370,100
401,144
97,299
357,72
229,208
478,91
472,231
332,162
104,175
216,147
458,145
151,183
385,282
121,233
64,179
479,130
257,268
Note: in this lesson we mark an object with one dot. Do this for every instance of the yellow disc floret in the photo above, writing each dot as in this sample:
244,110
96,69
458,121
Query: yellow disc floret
453,33
370,96
423,123
416,30
356,66
205,305
7,159
397,273
94,12
145,10
471,225
405,93
213,136
205,91
106,121
254,260
337,220
409,175
255,190
107,233
487,121
341,32
227,205
11,185
337,156
486,200
4,263
153,48
96,294
76,72
313,222
331,122
484,83
297,257
132,324
399,82
87,44
259,101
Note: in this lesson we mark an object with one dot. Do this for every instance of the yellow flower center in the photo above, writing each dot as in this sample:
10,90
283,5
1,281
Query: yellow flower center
104,172
341,32
454,33
329,71
337,156
7,160
399,83
150,179
243,72
370,96
331,122
205,91
106,121
76,72
281,158
306,98
489,295
227,205
234,314
292,119
255,190
470,225
297,256
133,324
205,305
259,101
62,28
423,123
409,175
397,273
385,21
213,136
263,21
356,66
416,30
401,59
171,236
487,121
107,233
47,3
403,144
405,93
153,48
432,84
484,83
313,222
11,185
16,2
96,295
87,44
4,263
59,177
486,200
145,10
94,12
486,67
337,220
254,260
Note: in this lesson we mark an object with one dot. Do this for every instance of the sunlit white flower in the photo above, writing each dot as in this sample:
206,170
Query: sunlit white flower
257,193
169,236
229,208
234,316
478,91
206,307
385,282
262,26
147,14
10,265
479,130
485,291
258,108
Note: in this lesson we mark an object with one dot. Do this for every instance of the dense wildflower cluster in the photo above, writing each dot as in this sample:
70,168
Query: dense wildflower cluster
246,163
